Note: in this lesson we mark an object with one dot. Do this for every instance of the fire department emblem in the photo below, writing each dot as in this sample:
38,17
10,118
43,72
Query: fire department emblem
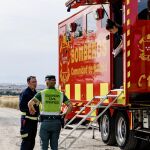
145,48
64,60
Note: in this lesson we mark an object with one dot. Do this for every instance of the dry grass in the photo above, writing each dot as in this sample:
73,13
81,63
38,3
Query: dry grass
9,101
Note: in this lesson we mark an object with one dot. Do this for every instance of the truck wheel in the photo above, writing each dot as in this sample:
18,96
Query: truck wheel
124,137
107,129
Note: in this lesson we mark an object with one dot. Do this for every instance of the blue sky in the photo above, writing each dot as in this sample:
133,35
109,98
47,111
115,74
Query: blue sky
28,38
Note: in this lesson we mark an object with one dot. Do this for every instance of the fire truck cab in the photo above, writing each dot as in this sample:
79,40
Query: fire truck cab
88,66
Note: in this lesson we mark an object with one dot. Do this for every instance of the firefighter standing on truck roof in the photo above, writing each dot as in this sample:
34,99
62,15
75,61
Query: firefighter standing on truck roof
28,122
50,116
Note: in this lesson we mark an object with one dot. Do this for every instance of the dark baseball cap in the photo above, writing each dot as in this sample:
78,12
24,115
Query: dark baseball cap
50,77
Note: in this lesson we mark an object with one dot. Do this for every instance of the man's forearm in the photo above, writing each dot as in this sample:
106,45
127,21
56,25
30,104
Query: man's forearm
31,104
36,101
69,109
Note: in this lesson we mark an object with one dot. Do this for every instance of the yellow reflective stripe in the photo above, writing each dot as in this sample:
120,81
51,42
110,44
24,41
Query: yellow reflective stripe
121,98
61,100
77,92
29,117
67,90
89,91
43,96
104,89
23,113
24,135
32,118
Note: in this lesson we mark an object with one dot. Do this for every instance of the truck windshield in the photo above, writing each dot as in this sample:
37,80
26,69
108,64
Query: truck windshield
144,9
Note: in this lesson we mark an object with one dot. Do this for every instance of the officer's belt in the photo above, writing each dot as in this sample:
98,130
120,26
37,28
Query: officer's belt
29,117
50,117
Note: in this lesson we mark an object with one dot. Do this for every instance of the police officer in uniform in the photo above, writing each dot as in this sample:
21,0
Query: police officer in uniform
50,115
28,121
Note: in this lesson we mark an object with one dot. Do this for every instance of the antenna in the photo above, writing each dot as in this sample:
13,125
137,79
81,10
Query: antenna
105,10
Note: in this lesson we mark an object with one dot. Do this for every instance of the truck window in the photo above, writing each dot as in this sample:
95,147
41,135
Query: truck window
104,20
79,32
144,9
91,23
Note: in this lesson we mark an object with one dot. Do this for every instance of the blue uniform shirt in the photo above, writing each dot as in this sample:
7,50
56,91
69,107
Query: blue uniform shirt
25,96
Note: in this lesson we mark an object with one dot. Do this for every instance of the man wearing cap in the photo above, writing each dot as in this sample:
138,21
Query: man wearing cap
50,115
28,121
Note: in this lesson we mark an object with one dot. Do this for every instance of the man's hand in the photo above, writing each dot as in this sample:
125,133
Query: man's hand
67,109
66,112
31,104
63,114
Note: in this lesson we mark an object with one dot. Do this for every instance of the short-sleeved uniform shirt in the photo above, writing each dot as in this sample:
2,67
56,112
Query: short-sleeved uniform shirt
38,96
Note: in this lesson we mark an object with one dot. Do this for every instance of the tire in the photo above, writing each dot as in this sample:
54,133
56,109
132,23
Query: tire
124,137
107,129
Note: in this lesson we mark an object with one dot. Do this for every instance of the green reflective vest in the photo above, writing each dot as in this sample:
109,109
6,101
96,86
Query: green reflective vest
52,100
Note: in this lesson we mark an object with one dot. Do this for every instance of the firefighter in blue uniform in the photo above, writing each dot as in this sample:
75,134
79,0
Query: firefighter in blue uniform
116,30
28,122
50,114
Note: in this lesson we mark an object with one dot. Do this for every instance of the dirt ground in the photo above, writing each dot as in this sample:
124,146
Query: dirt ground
10,137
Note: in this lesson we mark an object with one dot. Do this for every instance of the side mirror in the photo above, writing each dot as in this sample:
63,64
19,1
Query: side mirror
99,14
73,27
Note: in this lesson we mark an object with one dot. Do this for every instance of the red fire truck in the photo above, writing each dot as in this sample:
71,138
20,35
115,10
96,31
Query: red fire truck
88,68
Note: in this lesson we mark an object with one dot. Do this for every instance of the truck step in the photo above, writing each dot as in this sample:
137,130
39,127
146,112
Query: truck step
117,90
83,116
100,97
143,130
102,106
91,106
69,126
113,96
95,127
74,126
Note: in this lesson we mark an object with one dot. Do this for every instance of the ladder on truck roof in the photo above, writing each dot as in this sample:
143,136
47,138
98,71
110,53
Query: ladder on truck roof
89,115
